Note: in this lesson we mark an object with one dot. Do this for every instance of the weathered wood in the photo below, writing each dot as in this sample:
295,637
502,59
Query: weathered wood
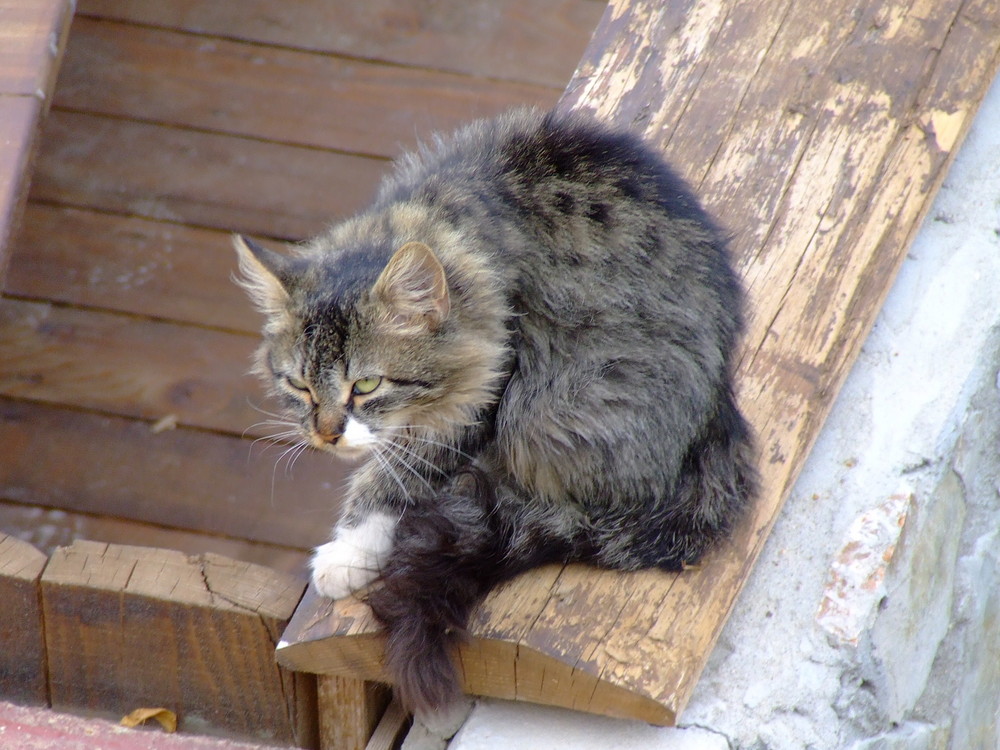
22,648
48,528
180,479
127,627
32,37
534,41
349,711
391,729
281,95
130,366
127,264
204,179
820,146
18,118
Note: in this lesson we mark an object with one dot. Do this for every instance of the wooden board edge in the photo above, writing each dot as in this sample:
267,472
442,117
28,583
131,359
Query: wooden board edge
23,665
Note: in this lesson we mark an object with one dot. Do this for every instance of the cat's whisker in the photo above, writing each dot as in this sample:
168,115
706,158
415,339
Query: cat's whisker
384,463
405,464
296,455
265,412
279,438
409,451
413,435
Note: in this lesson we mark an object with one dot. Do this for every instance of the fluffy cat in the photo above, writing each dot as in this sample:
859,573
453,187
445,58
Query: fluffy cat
527,339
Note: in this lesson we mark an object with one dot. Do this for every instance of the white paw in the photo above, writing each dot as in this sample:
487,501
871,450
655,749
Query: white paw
355,556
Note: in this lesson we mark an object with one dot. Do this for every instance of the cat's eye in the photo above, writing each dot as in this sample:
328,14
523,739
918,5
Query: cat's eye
366,385
298,384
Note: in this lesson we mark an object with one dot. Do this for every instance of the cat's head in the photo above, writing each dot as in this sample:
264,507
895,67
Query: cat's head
360,350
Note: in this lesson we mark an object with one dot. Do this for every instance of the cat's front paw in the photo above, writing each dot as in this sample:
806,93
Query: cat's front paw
354,558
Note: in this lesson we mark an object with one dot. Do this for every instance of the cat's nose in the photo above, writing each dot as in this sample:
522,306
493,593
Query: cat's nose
328,428
328,436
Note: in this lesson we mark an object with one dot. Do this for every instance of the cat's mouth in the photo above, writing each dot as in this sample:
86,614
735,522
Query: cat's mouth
354,442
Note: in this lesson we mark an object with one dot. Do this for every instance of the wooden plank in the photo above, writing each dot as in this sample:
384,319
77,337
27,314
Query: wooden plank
177,479
391,729
19,116
127,627
46,528
22,649
831,141
533,41
204,179
151,268
349,711
32,37
269,93
130,366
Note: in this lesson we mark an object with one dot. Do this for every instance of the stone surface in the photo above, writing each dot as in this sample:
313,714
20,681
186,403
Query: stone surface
919,416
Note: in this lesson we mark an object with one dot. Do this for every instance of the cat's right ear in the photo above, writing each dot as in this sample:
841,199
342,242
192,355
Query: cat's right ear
264,274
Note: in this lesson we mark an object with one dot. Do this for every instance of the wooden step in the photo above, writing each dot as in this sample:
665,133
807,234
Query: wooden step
529,41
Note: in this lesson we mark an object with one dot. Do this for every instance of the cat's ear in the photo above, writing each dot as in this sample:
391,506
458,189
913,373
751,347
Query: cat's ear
413,290
266,275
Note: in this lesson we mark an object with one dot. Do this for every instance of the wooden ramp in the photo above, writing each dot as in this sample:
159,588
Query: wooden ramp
818,136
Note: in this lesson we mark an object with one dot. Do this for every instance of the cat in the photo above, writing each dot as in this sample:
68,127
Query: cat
528,342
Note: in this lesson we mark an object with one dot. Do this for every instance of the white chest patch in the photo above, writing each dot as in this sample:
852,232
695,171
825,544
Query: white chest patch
355,556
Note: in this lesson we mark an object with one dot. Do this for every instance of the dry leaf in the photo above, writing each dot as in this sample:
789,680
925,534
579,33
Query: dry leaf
167,718
168,422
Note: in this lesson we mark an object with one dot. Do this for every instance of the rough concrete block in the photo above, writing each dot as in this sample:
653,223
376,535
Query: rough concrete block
916,612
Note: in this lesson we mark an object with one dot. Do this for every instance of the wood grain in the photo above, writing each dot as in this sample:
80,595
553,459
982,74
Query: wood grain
32,38
19,116
820,146
128,264
22,648
349,711
132,626
47,528
281,95
177,479
203,179
129,366
533,41
391,729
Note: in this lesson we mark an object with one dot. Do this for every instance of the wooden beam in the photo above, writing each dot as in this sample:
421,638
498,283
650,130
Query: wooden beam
32,38
22,648
130,627
819,139
349,711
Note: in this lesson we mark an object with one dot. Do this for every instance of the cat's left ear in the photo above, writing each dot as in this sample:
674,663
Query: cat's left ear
413,290
267,276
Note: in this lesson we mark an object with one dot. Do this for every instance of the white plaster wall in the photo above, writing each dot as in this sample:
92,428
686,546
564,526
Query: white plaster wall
917,417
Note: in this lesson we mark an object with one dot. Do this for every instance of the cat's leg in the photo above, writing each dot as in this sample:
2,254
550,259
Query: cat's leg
356,555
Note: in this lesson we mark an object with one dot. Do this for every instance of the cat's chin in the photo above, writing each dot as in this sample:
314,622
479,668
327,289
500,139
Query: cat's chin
350,453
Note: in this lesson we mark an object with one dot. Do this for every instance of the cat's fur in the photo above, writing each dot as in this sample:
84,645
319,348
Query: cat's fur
553,319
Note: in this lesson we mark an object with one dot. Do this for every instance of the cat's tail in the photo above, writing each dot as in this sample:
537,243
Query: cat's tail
448,555
717,481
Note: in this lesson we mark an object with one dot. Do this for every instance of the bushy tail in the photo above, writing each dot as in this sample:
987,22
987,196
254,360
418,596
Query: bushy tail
717,481
448,555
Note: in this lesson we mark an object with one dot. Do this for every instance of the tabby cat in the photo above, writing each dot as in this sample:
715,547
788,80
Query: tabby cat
527,340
